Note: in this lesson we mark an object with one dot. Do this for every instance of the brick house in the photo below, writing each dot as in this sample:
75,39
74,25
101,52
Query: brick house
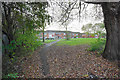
54,34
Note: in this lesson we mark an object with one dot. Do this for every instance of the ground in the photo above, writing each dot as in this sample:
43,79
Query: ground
67,62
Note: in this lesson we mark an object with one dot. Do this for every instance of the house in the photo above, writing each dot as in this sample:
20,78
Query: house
54,34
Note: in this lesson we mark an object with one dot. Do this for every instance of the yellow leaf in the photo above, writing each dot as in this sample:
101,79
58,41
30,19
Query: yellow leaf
56,60
86,75
13,53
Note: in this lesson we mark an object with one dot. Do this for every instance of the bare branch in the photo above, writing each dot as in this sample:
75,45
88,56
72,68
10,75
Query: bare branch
68,11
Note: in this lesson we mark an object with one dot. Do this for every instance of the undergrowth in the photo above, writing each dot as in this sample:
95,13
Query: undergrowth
98,46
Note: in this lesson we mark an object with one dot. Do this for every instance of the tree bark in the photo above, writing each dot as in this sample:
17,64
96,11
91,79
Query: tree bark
67,37
43,37
43,34
8,21
111,13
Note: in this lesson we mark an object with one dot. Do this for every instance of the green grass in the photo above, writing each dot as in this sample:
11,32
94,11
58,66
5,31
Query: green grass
97,45
12,75
49,41
76,41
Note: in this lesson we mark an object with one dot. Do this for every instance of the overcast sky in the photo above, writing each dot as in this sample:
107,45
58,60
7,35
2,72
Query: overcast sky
75,25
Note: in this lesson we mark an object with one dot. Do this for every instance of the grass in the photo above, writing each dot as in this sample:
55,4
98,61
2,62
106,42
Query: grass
76,41
49,41
97,45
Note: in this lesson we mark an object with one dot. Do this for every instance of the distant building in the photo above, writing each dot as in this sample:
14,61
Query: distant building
54,34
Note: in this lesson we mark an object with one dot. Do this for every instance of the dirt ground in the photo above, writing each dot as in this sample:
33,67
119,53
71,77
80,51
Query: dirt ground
67,62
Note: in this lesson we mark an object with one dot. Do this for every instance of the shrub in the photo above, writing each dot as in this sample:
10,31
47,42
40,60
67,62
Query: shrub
27,42
98,45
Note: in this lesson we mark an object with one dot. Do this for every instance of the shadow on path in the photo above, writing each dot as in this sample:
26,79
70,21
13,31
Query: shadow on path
43,57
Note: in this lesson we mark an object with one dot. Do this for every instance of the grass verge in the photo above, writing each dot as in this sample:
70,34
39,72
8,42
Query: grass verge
76,41
49,41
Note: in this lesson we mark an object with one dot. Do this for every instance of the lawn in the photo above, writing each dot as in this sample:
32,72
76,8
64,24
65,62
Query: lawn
49,41
76,41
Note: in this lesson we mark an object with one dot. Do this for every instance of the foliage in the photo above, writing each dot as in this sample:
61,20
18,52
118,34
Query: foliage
28,41
20,20
98,45
87,28
96,29
11,75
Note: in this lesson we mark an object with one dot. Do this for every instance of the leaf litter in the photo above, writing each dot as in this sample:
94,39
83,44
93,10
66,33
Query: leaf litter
70,62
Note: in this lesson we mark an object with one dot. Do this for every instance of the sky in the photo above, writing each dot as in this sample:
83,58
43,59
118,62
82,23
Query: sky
75,25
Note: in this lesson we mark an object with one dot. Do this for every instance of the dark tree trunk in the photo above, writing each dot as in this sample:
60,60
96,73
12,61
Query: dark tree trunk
43,34
111,13
8,21
67,37
43,37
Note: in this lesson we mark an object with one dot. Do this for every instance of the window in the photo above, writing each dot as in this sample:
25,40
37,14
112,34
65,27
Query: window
45,33
56,33
53,33
45,37
50,36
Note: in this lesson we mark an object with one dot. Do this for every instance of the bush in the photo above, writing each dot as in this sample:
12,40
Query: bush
98,45
26,42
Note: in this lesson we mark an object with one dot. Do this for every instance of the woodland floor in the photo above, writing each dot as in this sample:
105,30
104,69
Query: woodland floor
68,62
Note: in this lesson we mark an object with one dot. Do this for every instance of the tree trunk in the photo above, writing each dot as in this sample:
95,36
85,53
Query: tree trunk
43,37
8,21
112,24
67,35
43,34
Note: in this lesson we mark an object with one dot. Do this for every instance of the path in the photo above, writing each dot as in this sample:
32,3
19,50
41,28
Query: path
43,57
68,62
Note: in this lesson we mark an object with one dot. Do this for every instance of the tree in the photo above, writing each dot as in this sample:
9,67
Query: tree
87,28
42,16
65,24
19,21
66,15
111,11
99,29
112,25
66,28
